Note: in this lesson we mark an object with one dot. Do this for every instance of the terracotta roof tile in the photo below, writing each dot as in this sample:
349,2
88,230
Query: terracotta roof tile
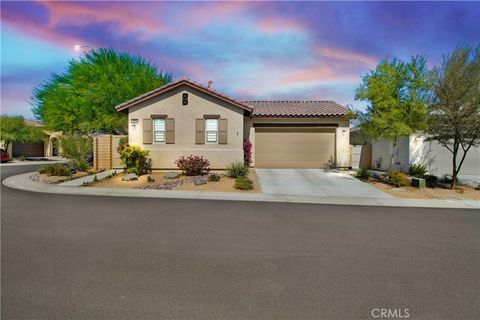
296,109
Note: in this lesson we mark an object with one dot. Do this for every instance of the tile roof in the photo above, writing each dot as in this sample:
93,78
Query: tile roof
175,84
257,108
296,109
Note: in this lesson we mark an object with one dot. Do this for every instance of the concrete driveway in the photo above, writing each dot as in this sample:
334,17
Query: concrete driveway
315,182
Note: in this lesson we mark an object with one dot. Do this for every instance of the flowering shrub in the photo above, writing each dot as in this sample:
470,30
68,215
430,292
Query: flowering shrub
136,160
247,152
193,165
398,179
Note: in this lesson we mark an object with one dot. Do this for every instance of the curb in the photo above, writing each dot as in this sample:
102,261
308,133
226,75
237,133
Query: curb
23,182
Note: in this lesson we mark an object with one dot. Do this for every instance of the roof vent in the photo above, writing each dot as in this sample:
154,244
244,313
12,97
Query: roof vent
210,82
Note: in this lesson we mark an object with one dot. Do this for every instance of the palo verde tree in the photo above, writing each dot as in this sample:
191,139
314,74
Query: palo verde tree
397,93
82,99
14,129
454,114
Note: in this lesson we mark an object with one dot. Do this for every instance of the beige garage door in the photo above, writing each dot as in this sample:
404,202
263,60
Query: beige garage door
294,148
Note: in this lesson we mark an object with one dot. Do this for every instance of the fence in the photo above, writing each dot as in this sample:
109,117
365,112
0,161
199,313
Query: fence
105,155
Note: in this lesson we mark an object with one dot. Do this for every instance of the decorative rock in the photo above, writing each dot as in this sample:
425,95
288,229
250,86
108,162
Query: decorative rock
171,175
130,177
199,180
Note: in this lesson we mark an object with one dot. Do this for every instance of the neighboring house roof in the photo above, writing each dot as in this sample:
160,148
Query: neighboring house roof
296,109
173,85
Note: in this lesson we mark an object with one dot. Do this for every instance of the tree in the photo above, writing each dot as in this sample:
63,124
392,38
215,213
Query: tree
14,129
82,99
397,93
454,114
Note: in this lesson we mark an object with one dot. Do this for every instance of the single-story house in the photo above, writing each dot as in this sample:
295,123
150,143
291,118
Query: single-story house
418,149
48,147
184,117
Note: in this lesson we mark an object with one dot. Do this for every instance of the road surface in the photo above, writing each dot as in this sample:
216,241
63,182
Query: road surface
79,257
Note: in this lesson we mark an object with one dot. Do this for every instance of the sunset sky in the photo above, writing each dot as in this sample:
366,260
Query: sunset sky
251,50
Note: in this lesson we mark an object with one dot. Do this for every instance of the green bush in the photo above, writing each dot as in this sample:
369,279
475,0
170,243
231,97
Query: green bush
447,178
243,183
431,181
56,169
418,170
122,144
214,177
78,149
363,174
79,164
135,160
237,169
398,179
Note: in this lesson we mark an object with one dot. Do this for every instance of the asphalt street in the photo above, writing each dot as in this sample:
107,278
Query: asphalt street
79,257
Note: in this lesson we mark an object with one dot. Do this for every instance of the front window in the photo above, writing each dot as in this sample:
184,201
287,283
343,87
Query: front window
211,130
159,130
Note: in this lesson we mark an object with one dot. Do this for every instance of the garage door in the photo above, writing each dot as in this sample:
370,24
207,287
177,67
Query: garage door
294,148
27,149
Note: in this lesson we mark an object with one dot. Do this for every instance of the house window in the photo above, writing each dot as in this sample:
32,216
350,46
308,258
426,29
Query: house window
159,130
211,130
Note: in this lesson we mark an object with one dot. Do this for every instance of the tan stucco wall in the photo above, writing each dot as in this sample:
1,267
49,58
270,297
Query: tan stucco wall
200,104
342,135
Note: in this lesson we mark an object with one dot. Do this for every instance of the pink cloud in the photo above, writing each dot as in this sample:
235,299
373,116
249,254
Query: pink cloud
346,56
129,17
204,13
277,24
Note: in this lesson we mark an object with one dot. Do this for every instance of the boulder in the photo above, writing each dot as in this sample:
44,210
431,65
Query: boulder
171,175
199,180
130,177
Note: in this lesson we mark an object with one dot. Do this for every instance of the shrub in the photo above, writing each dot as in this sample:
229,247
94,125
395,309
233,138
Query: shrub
247,152
78,149
237,169
398,179
56,169
214,177
329,165
193,165
135,160
243,183
447,178
363,174
431,181
79,164
418,170
122,144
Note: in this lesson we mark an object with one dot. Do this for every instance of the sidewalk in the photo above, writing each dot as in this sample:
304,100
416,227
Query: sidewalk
23,182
